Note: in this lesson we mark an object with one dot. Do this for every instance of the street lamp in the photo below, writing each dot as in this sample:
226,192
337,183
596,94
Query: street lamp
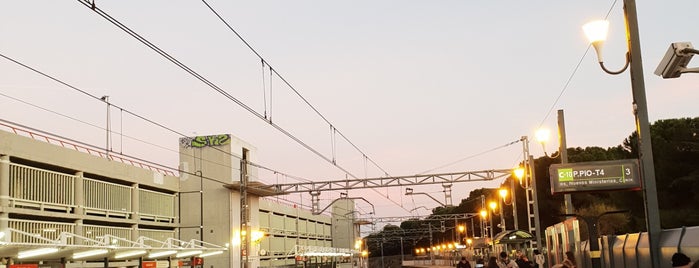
519,173
484,227
645,149
494,206
484,216
462,228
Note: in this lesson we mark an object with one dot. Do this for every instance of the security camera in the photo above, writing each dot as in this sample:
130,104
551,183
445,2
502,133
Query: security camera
675,61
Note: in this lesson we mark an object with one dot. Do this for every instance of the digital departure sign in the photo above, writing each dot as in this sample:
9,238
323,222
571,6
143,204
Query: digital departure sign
595,176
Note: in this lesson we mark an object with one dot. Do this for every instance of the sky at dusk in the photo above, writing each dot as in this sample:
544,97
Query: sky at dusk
416,85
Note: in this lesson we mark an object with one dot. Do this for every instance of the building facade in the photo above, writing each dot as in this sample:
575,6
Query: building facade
67,204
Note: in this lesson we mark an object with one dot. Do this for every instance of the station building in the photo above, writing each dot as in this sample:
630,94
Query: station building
67,204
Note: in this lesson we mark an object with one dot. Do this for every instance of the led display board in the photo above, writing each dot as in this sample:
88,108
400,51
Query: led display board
595,176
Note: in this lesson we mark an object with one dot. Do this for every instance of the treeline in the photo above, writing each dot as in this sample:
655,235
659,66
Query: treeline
676,162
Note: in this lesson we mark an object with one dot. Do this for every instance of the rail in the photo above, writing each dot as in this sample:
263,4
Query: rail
82,147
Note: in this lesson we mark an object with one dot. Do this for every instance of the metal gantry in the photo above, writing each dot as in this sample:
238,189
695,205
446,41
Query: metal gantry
314,188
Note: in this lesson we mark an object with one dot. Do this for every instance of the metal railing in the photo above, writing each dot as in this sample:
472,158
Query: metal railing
156,206
40,231
41,188
106,198
83,147
97,232
160,235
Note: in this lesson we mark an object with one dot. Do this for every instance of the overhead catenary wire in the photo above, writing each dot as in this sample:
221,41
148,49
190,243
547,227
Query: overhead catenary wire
334,129
201,78
128,112
289,85
572,75
471,156
548,112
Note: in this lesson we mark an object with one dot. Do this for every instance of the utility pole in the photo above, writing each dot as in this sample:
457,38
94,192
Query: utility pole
244,213
563,151
645,148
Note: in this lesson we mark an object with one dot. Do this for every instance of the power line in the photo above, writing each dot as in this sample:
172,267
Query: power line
575,71
128,112
471,156
334,130
291,86
201,78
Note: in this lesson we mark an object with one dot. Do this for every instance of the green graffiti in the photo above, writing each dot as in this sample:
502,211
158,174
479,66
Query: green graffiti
213,140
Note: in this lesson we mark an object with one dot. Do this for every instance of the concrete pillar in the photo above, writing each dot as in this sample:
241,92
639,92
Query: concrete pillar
4,180
135,210
5,196
79,231
135,202
79,194
134,232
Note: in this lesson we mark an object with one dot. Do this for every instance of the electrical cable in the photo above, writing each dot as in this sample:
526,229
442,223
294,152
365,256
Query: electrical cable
572,75
470,156
288,84
128,112
201,78
335,131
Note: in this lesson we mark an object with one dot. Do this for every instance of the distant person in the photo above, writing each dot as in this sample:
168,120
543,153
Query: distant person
493,262
681,260
505,261
695,265
463,263
568,261
480,263
522,261
539,259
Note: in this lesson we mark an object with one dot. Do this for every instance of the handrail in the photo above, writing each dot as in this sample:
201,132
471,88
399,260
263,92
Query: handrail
82,147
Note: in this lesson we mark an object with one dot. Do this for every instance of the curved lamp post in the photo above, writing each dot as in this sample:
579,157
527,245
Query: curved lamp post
597,34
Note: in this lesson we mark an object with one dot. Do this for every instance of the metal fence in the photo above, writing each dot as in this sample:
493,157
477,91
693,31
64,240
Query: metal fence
36,232
43,189
623,251
106,198
156,206
101,233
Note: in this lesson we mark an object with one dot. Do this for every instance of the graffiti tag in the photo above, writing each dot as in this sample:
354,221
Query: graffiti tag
204,141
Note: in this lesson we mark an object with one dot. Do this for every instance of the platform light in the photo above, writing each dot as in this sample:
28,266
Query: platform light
130,253
188,253
89,253
161,254
36,252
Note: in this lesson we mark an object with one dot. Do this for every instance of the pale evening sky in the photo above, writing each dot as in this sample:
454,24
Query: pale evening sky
414,84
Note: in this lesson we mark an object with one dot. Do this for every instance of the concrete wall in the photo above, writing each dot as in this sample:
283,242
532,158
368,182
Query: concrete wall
210,212
43,152
343,231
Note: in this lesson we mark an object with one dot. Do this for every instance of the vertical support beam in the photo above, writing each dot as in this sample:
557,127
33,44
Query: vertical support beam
4,180
645,148
447,195
4,195
135,209
484,224
514,203
79,189
135,201
244,212
315,202
563,151
537,225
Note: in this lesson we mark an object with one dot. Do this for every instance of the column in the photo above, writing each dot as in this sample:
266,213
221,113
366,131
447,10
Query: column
4,195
